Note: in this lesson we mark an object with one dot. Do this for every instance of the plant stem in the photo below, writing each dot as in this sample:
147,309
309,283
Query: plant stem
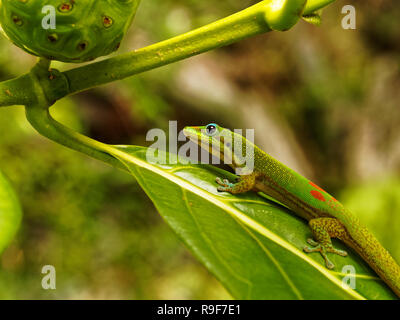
264,16
40,118
37,91
26,89
314,5
244,24
16,91
249,22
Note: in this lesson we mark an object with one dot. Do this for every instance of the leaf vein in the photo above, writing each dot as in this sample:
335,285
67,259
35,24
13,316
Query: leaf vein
211,245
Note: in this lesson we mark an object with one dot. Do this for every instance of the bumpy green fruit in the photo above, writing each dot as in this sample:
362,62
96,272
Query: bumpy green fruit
84,29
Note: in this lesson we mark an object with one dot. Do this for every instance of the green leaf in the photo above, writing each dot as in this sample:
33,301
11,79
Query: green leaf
10,213
313,18
251,244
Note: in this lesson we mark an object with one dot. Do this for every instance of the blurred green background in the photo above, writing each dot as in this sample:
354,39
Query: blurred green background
323,100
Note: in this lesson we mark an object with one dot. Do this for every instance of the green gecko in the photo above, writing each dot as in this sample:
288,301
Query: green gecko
327,217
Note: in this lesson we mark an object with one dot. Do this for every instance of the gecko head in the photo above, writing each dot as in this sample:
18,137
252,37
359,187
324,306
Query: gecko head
218,141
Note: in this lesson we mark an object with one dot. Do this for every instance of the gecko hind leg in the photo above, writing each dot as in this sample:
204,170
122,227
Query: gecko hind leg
323,230
244,184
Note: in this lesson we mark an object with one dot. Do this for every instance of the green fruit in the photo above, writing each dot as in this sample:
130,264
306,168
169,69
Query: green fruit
84,29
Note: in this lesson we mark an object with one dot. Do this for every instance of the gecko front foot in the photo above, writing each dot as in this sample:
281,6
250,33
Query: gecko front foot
323,250
243,184
224,185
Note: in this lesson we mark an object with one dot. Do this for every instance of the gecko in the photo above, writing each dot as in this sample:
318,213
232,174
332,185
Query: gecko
326,216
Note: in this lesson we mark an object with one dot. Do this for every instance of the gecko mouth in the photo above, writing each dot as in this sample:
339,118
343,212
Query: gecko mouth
211,145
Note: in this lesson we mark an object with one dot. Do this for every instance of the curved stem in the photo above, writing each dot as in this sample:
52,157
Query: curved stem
42,121
265,16
37,91
262,17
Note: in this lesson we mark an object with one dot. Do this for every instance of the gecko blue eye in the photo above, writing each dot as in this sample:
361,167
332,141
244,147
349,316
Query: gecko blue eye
211,129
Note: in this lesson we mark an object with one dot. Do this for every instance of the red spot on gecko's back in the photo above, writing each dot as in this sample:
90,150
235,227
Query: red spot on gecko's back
317,187
317,195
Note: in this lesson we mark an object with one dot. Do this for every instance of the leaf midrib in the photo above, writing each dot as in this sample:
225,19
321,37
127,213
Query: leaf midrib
184,184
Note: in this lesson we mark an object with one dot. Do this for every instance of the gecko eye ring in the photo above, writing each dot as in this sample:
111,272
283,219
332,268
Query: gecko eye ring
211,129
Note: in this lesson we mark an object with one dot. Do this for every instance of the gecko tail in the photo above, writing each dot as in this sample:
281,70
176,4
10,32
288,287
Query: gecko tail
378,258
